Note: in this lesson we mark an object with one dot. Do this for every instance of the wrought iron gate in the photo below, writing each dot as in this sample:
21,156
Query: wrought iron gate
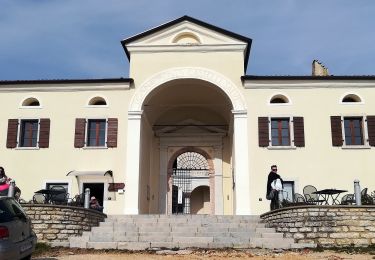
187,167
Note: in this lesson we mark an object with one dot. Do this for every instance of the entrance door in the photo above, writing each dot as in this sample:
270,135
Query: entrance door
96,189
190,170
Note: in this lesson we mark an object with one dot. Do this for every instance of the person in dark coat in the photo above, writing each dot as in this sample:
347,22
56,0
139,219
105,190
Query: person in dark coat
272,176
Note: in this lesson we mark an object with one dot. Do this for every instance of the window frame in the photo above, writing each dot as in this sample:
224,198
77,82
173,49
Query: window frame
19,134
282,96
105,146
291,133
361,102
22,106
293,185
88,105
57,182
364,129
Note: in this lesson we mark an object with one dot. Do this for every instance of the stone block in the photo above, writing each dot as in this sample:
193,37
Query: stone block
344,235
298,236
51,231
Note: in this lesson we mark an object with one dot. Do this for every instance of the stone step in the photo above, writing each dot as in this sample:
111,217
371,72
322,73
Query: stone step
140,232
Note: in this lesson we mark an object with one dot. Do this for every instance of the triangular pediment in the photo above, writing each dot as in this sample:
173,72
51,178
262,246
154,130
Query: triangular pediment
186,32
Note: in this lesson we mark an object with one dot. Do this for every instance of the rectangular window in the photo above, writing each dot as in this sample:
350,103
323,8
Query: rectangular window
28,136
49,185
353,128
96,132
280,131
288,191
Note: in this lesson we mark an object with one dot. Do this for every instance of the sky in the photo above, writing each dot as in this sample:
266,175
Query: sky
80,39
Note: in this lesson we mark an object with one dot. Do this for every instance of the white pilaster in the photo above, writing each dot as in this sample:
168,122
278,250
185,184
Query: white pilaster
163,194
132,163
218,166
241,164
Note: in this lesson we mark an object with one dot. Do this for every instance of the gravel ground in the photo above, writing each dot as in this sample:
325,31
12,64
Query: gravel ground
79,254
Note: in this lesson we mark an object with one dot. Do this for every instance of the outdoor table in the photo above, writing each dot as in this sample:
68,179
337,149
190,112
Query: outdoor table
328,194
48,193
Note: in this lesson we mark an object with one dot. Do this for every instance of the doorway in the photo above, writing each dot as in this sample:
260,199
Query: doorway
96,189
190,169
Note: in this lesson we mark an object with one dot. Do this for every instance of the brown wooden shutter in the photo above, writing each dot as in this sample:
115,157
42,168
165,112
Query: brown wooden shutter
371,129
299,132
263,132
44,132
79,135
336,131
112,132
12,133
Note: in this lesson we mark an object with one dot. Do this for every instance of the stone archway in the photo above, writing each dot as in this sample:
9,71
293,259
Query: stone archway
240,134
211,172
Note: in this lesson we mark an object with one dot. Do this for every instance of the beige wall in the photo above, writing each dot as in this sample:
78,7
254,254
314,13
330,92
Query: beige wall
318,163
31,168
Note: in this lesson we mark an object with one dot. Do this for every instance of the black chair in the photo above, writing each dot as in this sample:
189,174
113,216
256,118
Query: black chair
60,197
365,198
311,198
298,198
39,198
78,200
347,199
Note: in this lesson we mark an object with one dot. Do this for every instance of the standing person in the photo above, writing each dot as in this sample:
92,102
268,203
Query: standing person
272,190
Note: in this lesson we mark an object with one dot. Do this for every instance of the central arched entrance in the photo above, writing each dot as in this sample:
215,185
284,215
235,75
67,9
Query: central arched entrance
190,170
186,108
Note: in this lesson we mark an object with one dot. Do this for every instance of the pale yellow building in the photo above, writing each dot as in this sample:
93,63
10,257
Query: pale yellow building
188,131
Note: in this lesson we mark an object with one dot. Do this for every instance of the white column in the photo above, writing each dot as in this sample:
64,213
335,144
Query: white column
163,179
132,163
241,164
218,166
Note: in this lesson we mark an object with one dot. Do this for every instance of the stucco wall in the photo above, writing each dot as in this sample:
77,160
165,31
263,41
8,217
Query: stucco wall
54,224
63,106
326,226
318,163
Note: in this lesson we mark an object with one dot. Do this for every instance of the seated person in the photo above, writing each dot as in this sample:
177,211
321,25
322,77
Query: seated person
4,186
94,204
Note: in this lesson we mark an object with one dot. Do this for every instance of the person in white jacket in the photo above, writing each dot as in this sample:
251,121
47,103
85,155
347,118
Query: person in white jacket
274,185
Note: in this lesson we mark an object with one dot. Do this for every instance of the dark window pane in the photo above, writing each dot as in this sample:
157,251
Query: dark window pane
353,131
29,133
96,132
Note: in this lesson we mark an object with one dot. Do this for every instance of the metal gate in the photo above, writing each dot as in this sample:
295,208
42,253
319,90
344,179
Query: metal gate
187,168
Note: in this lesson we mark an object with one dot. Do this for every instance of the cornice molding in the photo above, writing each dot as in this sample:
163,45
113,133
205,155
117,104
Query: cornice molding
66,87
307,85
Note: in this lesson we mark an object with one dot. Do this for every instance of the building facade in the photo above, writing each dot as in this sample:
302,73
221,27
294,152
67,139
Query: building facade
188,131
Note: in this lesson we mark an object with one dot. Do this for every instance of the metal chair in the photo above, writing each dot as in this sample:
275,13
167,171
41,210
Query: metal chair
310,196
39,198
59,198
78,200
365,198
298,198
347,199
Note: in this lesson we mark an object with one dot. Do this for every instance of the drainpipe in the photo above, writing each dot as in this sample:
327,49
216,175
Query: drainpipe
357,192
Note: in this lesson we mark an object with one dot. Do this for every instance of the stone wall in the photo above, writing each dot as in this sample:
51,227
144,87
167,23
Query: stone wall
326,226
54,224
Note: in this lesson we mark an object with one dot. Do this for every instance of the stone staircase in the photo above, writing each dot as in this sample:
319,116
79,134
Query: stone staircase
141,232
